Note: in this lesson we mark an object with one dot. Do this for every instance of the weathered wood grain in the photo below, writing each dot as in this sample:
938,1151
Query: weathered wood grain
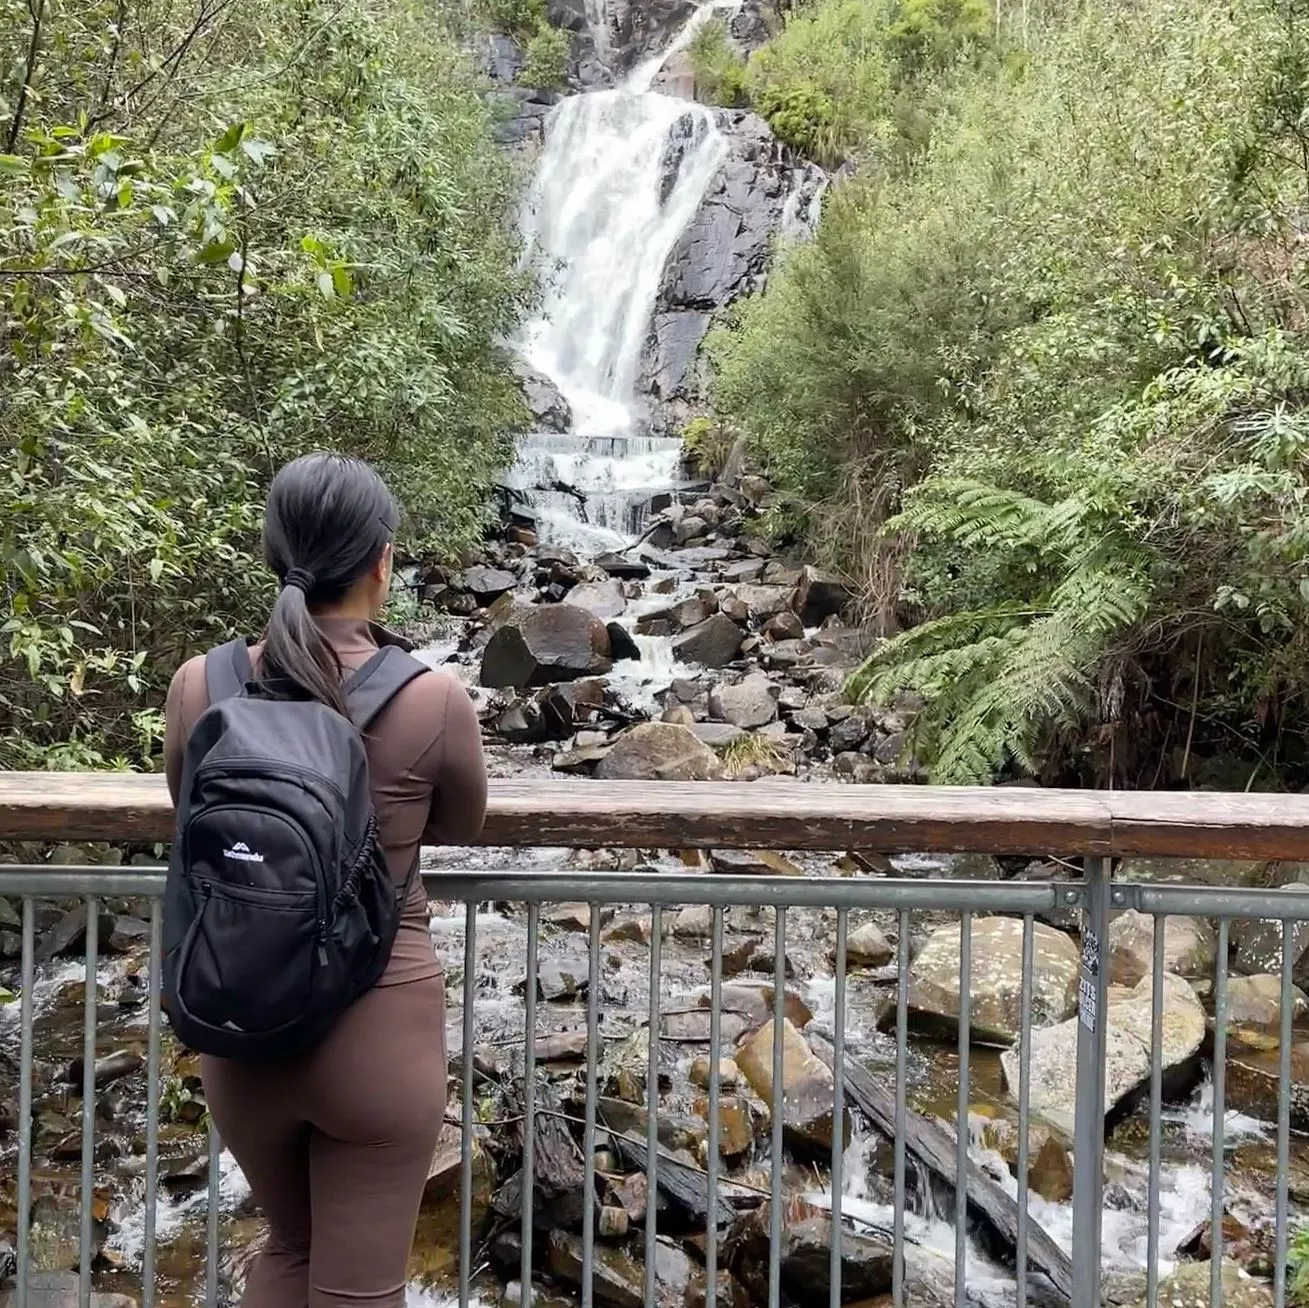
761,815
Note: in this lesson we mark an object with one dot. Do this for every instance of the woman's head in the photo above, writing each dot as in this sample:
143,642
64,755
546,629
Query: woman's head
327,535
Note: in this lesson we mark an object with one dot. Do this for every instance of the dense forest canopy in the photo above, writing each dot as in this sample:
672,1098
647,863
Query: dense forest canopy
1039,384
230,231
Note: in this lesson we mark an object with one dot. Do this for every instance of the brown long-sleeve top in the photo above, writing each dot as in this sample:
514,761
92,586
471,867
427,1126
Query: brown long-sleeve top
425,765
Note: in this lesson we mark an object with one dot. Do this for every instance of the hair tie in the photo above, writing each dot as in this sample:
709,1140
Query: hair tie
300,578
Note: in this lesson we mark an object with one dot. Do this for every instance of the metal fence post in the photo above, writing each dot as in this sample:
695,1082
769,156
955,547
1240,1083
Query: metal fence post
1088,1136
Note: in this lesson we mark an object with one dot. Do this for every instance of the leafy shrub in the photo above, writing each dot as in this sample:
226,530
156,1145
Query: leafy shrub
1043,389
708,445
545,61
296,234
720,73
1297,1282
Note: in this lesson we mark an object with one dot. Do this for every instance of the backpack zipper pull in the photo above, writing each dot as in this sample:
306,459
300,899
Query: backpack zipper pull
322,942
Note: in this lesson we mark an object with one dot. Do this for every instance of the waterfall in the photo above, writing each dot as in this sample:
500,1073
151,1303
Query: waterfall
621,175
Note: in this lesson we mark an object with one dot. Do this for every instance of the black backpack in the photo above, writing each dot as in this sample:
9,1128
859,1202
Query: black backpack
279,911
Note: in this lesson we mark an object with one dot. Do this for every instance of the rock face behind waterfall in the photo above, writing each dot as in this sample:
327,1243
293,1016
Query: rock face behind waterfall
759,191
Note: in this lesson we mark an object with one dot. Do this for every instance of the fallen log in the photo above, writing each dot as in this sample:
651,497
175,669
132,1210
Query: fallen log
934,1147
686,1185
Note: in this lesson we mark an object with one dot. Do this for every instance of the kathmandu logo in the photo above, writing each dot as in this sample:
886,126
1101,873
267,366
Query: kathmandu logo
242,853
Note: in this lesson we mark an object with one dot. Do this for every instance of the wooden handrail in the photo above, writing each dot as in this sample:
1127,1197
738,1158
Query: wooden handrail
768,814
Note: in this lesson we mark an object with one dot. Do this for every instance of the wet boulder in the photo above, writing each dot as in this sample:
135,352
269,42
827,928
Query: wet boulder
658,751
1253,1080
866,946
995,1013
1190,947
1257,944
617,1281
818,596
605,599
713,643
1189,1285
751,702
555,642
487,584
806,1259
1256,1001
753,863
547,404
808,1088
1127,1051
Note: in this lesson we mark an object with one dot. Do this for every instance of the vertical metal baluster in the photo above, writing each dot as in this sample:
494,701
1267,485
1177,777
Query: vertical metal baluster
592,1056
652,1103
1156,1110
1283,1121
1088,1135
901,1107
529,1107
211,1217
88,1095
26,1017
1024,1093
715,1040
961,1126
778,1111
838,1107
466,1128
152,1103
1220,1086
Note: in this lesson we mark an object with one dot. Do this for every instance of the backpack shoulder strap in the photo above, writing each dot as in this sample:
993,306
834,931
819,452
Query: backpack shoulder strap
377,682
227,669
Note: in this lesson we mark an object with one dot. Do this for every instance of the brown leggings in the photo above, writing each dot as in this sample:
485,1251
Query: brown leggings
337,1147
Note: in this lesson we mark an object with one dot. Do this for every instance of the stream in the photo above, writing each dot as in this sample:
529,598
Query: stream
622,173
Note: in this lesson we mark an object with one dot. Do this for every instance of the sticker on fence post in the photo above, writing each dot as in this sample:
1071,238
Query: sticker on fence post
1087,996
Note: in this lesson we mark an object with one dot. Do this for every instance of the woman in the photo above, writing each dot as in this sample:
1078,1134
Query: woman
336,1144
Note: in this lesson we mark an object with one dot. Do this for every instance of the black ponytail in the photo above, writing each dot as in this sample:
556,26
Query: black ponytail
329,517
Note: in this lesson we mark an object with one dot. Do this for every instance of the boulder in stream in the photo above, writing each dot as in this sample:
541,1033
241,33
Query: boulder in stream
658,751
1190,947
751,702
713,643
808,1087
995,1013
806,1258
545,643
1256,1001
548,406
603,598
1188,1287
1127,1052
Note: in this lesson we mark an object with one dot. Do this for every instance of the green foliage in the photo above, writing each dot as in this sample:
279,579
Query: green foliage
226,237
1042,386
545,59
517,18
1297,1281
720,73
708,445
931,35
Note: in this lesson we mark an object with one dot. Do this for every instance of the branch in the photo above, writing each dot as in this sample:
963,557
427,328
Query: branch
33,50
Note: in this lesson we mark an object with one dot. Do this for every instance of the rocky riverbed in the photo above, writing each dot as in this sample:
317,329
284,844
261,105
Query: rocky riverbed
695,654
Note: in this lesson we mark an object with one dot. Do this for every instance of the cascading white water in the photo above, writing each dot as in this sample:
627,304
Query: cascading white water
621,176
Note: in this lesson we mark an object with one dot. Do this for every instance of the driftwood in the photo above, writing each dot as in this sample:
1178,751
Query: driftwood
935,1149
558,1176
688,1186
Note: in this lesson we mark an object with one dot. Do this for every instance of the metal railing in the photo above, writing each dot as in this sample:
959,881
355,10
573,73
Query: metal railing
1071,1270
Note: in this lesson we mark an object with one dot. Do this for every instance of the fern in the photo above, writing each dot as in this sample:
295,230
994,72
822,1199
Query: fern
996,681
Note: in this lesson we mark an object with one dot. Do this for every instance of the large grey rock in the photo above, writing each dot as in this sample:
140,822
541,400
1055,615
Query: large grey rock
1256,1001
545,643
1189,1286
658,751
603,598
1127,1051
818,596
751,702
806,1259
1257,944
724,251
713,643
548,406
488,584
995,1009
1190,947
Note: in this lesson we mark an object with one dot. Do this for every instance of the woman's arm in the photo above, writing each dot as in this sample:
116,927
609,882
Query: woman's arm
457,772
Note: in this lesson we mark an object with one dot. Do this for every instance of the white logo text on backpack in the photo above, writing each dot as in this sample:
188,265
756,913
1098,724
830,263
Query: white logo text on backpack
242,853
